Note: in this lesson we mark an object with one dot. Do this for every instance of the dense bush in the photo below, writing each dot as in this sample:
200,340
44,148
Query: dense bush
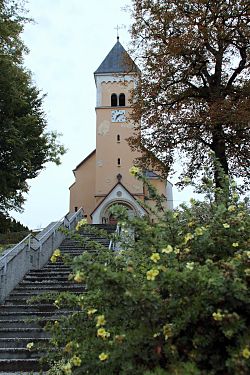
173,300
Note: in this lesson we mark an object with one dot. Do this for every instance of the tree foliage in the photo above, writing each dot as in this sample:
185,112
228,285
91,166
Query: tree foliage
25,146
194,93
9,225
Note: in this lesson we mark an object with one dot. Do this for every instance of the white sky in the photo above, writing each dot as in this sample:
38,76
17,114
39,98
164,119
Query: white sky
67,42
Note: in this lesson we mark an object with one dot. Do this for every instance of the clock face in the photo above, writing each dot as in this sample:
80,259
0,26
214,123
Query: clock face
118,115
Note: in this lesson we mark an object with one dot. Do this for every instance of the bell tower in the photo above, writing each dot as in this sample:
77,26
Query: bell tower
115,78
102,179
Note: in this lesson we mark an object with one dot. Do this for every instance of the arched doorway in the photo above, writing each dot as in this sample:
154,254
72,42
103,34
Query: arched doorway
109,218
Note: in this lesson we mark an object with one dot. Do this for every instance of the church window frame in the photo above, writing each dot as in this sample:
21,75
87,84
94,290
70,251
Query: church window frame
118,162
114,100
122,100
118,138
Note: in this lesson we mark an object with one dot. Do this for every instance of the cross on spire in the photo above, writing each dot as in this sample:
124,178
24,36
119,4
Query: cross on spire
117,28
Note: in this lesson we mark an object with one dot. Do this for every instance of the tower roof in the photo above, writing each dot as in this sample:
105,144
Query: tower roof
117,61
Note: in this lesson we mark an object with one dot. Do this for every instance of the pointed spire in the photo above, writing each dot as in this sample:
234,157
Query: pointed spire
117,61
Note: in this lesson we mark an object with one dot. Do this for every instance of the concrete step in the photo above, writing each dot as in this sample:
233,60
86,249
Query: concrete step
18,333
50,288
28,323
25,296
22,300
44,283
42,277
55,268
34,314
30,308
48,274
18,353
20,366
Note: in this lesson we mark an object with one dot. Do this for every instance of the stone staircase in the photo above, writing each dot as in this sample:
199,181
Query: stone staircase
22,322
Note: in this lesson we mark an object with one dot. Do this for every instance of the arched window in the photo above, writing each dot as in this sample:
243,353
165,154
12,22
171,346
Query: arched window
118,161
118,138
113,100
122,100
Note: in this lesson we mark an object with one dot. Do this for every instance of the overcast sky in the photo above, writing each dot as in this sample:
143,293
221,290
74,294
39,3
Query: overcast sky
67,42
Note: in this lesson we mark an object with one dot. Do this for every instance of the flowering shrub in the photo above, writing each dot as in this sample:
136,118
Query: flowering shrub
173,300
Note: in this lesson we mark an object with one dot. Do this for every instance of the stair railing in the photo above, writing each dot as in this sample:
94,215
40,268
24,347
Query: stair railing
33,252
113,244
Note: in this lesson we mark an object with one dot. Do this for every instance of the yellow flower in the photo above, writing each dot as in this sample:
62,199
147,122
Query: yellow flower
79,277
190,224
235,244
67,369
101,332
100,320
235,196
167,331
134,171
53,259
231,208
81,223
76,361
188,237
246,353
30,345
167,250
103,356
238,256
199,231
247,253
155,257
68,347
217,315
151,274
176,250
175,215
247,271
57,253
190,266
91,311
226,226
186,250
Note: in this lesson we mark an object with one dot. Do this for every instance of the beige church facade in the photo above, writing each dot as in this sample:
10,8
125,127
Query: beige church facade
102,179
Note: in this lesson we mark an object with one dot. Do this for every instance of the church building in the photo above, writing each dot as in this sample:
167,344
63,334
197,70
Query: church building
103,179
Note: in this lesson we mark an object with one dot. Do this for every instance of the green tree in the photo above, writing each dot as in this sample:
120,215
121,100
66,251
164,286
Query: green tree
25,146
194,94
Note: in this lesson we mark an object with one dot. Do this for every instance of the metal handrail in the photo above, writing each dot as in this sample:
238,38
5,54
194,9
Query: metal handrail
75,214
45,234
31,236
32,255
112,243
13,248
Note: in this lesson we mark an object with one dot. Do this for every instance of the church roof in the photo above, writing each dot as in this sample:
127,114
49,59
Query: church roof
83,161
151,174
117,61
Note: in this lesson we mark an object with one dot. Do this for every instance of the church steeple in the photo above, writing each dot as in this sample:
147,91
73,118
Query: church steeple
117,61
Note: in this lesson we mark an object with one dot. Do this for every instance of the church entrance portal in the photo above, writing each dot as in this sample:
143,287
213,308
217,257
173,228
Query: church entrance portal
109,218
